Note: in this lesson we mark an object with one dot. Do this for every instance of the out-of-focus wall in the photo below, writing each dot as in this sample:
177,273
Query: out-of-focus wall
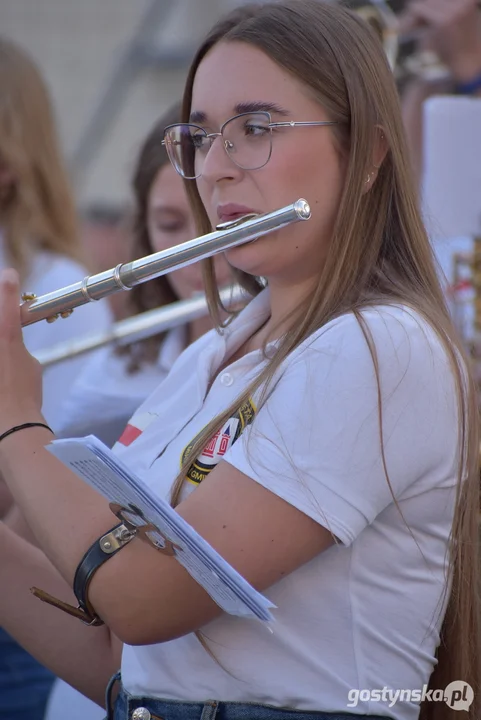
78,45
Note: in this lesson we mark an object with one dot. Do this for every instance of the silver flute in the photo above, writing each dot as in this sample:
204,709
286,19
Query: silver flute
139,327
61,303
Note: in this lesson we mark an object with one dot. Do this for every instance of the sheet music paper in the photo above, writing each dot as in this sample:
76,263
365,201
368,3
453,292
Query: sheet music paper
451,196
451,186
94,463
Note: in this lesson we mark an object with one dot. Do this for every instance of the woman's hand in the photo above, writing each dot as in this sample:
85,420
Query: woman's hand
20,373
453,32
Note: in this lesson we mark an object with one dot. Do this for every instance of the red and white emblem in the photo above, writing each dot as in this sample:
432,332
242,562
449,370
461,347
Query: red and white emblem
136,426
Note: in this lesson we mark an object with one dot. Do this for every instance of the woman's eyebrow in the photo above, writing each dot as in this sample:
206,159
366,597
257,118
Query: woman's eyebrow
198,116
261,106
161,209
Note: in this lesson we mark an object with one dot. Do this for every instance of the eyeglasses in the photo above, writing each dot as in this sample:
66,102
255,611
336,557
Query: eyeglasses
247,140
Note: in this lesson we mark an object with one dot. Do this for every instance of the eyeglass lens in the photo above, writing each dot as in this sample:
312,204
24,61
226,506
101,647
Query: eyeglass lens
246,139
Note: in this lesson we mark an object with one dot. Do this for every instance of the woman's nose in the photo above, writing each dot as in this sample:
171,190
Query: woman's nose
217,164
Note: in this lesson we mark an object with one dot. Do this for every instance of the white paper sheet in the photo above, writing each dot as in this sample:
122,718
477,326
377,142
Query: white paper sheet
94,463
451,186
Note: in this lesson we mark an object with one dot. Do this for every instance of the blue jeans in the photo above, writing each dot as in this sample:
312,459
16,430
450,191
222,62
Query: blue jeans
24,683
125,704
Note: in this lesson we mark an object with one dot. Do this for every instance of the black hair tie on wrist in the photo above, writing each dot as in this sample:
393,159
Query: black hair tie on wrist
22,427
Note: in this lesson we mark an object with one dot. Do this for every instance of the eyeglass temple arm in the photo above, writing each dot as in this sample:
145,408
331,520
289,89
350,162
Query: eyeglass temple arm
293,123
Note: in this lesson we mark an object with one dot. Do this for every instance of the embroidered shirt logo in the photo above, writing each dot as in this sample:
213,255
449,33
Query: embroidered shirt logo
219,443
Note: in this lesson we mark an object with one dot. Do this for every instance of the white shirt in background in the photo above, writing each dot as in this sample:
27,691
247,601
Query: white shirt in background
106,395
51,272
365,613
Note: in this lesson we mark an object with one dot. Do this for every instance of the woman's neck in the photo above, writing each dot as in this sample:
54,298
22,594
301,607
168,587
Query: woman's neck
199,327
285,301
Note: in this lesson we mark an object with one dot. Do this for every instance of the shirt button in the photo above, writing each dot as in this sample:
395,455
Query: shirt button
226,379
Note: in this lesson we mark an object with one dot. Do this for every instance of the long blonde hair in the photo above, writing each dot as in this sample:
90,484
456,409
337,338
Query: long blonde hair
37,210
379,253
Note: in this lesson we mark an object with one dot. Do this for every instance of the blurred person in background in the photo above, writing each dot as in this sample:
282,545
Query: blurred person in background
452,30
38,236
117,380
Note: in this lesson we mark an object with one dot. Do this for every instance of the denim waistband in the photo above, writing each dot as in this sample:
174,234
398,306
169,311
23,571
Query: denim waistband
129,707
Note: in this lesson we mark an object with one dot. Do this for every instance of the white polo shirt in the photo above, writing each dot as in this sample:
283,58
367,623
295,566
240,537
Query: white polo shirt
363,615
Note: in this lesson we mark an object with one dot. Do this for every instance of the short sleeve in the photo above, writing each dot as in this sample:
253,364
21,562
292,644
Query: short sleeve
316,440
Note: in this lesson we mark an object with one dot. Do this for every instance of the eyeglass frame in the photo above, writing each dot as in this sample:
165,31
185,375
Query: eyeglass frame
270,125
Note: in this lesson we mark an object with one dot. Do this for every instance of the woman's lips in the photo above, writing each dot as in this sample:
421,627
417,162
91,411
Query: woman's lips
232,211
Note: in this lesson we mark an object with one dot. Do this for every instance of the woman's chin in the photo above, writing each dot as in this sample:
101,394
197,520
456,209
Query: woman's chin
249,259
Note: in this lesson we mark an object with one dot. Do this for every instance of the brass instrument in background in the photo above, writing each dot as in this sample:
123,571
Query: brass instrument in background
470,333
380,17
400,42
466,296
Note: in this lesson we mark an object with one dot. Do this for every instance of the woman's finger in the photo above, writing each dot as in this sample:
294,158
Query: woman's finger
441,12
428,13
10,325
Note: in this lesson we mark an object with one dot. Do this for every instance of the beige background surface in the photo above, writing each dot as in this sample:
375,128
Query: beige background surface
78,45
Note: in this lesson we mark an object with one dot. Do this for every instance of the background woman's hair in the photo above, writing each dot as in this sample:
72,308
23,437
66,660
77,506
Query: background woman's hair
147,296
379,254
37,211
